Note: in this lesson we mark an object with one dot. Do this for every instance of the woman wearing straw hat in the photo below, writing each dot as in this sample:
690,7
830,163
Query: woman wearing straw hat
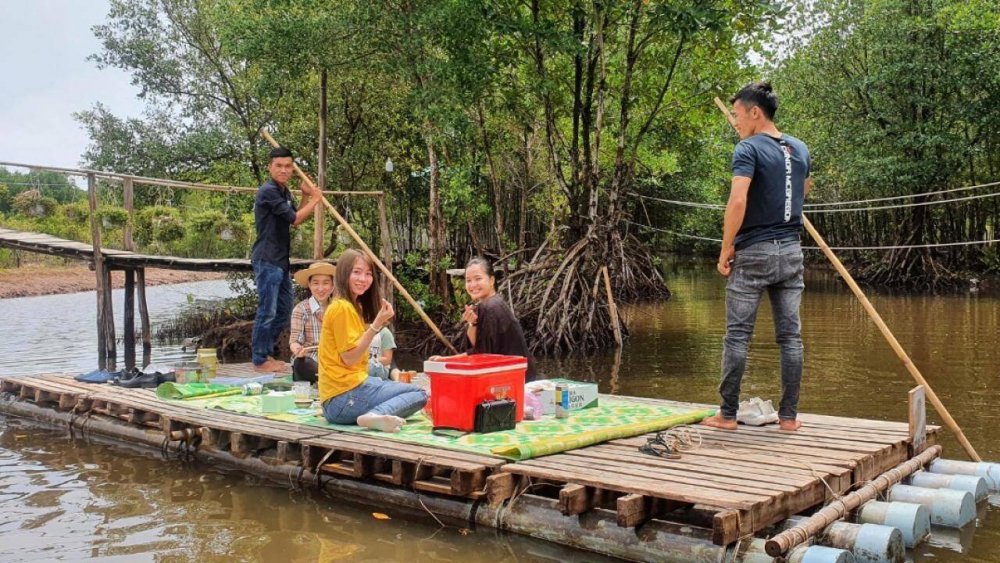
307,319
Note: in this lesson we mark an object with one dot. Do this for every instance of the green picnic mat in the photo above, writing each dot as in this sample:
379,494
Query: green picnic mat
612,419
188,391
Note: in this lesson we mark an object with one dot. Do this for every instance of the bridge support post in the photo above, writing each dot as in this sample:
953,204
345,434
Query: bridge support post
99,273
147,341
129,318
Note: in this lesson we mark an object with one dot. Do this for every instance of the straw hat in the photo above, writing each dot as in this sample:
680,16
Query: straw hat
323,268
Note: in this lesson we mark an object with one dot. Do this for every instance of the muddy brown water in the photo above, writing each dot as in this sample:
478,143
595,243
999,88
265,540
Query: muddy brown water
75,498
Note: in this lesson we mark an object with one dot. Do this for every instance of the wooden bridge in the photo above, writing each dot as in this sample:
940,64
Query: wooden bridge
104,260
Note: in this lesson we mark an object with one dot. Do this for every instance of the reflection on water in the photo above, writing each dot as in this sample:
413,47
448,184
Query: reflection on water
89,499
57,333
73,499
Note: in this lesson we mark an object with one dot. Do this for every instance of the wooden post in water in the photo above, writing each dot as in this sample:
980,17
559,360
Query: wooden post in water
95,236
109,319
147,341
128,322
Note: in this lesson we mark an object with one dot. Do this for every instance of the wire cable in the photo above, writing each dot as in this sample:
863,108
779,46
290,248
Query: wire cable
882,247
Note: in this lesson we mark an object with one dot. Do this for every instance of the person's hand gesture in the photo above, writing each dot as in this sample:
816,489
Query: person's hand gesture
308,188
385,314
470,315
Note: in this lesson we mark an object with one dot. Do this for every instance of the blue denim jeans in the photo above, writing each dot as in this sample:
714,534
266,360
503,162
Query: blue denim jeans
274,309
775,267
377,396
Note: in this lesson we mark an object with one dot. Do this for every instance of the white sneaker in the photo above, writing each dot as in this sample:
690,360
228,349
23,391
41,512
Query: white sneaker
756,412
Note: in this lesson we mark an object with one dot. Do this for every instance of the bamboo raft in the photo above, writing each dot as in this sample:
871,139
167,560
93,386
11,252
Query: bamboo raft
732,486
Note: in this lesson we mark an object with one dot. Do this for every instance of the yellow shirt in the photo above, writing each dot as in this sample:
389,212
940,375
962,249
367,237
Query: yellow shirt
342,329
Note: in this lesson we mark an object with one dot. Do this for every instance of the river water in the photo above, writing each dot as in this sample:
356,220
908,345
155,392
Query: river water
63,498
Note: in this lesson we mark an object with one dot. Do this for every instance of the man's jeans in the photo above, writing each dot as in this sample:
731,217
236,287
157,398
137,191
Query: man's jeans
377,396
274,309
775,267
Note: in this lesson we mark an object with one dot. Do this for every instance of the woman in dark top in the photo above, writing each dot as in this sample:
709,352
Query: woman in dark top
493,328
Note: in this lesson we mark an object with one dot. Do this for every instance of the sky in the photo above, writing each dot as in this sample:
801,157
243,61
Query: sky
47,77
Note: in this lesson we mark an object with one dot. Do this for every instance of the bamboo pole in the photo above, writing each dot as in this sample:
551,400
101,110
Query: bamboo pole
612,308
877,319
383,221
371,255
800,533
129,319
318,217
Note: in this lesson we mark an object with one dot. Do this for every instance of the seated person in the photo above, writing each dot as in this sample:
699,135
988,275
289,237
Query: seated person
380,363
492,326
348,395
307,319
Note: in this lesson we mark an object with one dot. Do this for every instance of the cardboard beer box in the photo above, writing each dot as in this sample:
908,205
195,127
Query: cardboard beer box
581,395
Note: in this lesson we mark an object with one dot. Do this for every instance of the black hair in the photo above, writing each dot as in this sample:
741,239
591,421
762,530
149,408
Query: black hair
758,94
482,263
369,302
279,152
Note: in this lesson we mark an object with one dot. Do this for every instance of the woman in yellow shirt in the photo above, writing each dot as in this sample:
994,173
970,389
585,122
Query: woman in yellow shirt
348,395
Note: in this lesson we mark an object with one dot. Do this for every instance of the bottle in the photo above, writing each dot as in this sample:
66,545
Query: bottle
562,400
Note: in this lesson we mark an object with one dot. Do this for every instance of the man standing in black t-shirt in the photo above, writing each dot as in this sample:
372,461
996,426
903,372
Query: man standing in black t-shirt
274,214
761,249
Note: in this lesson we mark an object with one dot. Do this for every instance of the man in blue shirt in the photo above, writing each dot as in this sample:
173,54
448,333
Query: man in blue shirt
274,214
761,249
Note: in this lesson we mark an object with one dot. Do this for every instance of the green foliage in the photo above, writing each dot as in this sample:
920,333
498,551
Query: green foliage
34,204
160,224
112,217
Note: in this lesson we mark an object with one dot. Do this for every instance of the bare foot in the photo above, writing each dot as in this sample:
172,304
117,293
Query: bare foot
271,366
717,421
383,422
789,425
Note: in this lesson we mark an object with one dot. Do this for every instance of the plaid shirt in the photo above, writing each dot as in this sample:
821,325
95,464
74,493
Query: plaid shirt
307,320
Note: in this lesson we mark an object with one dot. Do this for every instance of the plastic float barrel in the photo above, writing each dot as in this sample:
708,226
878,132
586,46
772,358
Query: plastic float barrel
819,554
948,507
986,470
912,520
971,483
869,543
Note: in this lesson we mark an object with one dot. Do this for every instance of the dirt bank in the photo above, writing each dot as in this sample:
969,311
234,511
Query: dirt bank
38,279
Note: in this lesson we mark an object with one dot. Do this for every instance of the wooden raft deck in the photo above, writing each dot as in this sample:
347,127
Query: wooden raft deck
734,483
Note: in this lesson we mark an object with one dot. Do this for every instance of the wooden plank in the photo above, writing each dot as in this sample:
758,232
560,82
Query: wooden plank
575,499
726,527
918,419
499,487
704,481
644,484
633,509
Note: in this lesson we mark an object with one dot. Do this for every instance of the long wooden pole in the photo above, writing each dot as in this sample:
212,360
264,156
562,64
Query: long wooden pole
371,255
877,319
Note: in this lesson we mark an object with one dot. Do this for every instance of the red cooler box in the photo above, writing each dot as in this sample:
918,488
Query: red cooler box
458,384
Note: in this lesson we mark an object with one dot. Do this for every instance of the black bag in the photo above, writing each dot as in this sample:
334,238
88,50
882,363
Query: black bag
493,416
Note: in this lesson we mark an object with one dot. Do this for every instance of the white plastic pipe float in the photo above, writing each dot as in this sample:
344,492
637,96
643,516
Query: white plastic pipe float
755,553
970,483
912,520
868,543
948,507
986,470
819,554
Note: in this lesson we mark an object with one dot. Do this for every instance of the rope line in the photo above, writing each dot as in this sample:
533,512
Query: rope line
908,196
884,247
829,207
